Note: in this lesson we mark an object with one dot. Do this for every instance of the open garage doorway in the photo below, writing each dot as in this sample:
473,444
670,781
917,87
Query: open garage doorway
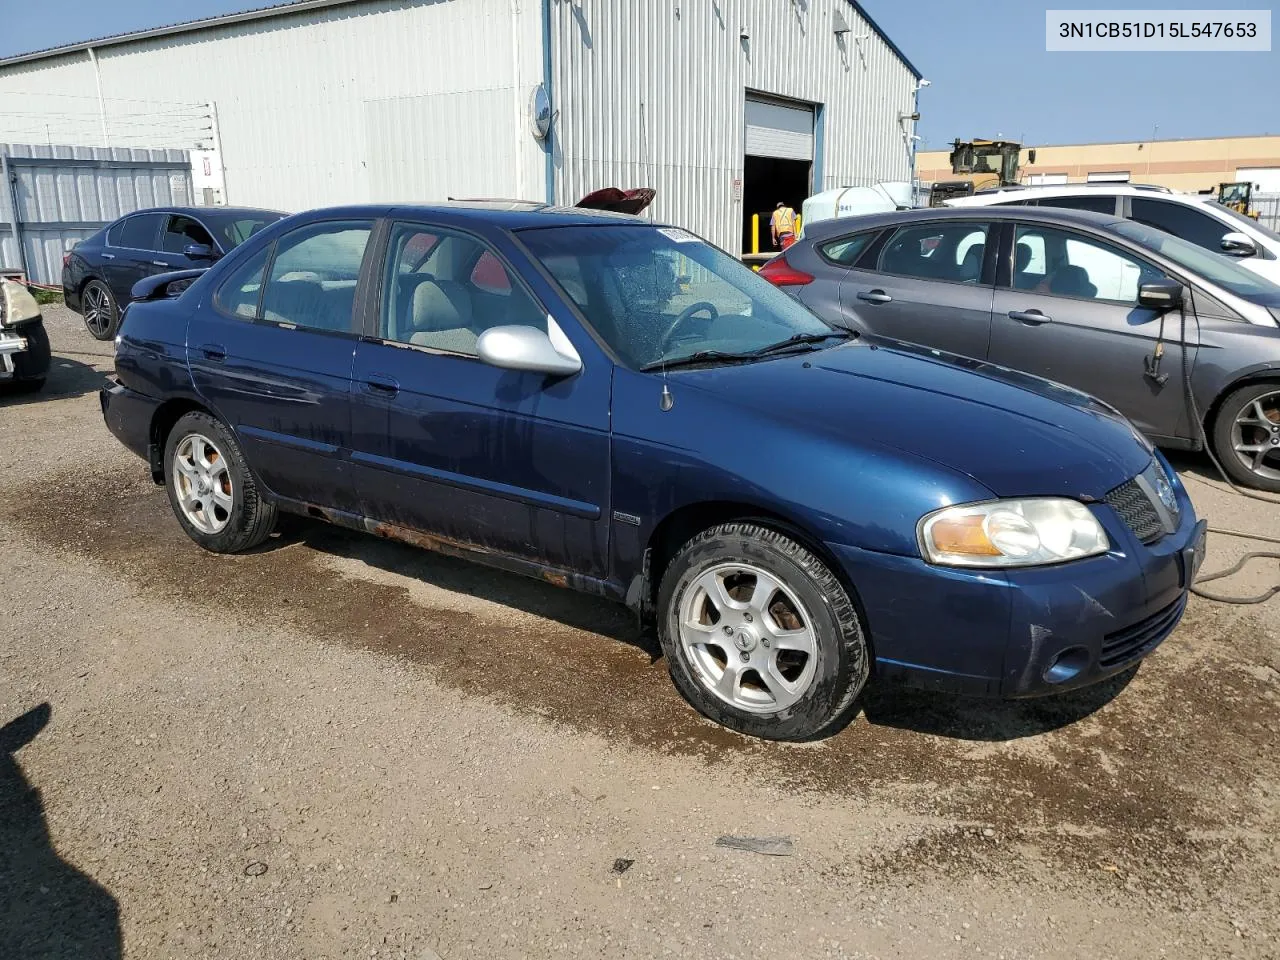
777,162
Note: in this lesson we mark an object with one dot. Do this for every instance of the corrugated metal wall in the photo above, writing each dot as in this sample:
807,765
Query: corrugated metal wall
301,98
63,194
652,93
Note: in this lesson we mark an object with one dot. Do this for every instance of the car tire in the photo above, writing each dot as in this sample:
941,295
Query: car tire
1240,420
725,578
211,489
32,365
99,309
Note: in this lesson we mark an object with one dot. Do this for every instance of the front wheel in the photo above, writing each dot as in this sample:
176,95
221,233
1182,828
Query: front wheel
760,635
211,490
101,313
1246,436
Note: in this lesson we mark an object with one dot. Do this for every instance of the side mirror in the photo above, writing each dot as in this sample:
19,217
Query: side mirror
1238,245
1164,295
528,348
199,251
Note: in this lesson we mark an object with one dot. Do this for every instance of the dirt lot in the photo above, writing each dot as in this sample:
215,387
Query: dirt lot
340,747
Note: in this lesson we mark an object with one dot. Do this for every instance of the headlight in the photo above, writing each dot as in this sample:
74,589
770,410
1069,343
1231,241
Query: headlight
1011,533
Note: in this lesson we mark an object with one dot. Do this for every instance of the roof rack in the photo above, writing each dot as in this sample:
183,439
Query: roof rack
1095,184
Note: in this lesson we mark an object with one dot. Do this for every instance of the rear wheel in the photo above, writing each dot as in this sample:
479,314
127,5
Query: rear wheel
101,314
210,488
760,635
1246,436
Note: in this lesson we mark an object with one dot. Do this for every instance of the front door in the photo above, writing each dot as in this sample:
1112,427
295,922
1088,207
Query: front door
274,360
1069,312
502,460
931,284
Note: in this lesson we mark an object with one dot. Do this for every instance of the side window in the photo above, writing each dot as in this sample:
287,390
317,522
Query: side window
1182,221
846,250
442,290
1067,265
1104,203
182,231
116,232
938,250
141,232
240,292
314,274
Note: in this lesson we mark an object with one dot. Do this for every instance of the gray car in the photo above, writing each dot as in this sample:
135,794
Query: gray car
1185,342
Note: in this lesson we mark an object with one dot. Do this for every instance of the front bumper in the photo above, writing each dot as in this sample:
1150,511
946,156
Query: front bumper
11,343
128,415
1032,631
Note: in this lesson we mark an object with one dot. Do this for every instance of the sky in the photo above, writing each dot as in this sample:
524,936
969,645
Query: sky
988,70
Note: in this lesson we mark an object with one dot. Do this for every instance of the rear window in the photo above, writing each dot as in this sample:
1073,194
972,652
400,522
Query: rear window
139,232
1103,203
847,250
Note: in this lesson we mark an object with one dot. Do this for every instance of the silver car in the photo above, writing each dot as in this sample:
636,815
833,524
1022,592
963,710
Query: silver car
1185,342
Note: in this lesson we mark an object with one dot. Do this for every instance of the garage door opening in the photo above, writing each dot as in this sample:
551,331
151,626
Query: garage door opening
777,162
766,182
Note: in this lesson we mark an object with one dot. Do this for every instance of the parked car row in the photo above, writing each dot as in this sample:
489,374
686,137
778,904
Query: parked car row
617,406
1181,340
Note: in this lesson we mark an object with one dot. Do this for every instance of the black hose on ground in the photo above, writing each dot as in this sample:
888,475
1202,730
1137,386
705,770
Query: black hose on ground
1208,448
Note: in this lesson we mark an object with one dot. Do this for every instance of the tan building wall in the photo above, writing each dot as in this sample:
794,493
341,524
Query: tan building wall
1187,165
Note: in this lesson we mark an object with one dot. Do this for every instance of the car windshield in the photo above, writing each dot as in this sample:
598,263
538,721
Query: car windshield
1216,268
1250,222
232,228
658,294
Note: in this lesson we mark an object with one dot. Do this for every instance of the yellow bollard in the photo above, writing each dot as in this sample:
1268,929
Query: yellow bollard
755,233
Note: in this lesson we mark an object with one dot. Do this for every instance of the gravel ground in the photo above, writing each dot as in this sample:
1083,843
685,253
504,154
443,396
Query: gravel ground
341,747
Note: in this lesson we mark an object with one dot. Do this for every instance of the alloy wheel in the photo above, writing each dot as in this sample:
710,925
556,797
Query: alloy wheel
98,315
202,481
750,640
1255,436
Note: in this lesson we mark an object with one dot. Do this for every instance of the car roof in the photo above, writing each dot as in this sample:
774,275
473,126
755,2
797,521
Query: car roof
204,211
873,221
503,214
1006,194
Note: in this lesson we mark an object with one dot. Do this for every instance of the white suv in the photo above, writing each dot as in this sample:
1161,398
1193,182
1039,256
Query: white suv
1196,218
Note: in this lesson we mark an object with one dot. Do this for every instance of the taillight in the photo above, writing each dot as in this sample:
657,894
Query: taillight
781,273
66,257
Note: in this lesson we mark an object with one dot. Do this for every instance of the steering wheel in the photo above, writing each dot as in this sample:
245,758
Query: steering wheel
700,307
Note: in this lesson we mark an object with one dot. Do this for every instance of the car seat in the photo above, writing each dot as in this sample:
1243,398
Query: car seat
971,266
1070,280
442,317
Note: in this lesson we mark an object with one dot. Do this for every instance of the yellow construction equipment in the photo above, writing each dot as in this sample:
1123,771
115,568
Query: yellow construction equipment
1238,196
988,163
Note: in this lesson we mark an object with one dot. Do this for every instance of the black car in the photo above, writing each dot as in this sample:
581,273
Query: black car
99,273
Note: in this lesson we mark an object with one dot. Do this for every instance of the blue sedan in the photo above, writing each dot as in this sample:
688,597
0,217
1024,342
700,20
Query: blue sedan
618,407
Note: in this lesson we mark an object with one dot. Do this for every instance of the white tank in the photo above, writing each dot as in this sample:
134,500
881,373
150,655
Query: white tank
856,201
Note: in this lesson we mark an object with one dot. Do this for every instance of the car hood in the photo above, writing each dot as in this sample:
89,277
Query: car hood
1013,433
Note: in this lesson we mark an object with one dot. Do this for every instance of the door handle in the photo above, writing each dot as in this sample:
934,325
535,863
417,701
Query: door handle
1033,317
874,296
214,351
382,383
159,263
108,256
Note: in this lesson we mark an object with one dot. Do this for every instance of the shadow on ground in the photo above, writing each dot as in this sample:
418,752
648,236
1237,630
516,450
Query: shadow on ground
49,910
67,378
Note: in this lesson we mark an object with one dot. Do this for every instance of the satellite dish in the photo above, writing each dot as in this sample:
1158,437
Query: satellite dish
540,112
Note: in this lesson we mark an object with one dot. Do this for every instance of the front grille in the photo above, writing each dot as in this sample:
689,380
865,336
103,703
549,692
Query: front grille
1132,642
1136,510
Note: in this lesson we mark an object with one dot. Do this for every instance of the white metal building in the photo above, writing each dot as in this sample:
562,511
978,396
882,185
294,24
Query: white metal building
723,106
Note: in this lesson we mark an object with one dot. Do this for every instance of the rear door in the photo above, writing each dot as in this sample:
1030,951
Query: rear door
273,359
1068,310
930,283
131,249
503,460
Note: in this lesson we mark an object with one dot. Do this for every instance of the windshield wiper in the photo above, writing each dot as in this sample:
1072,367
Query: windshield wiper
801,340
702,356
